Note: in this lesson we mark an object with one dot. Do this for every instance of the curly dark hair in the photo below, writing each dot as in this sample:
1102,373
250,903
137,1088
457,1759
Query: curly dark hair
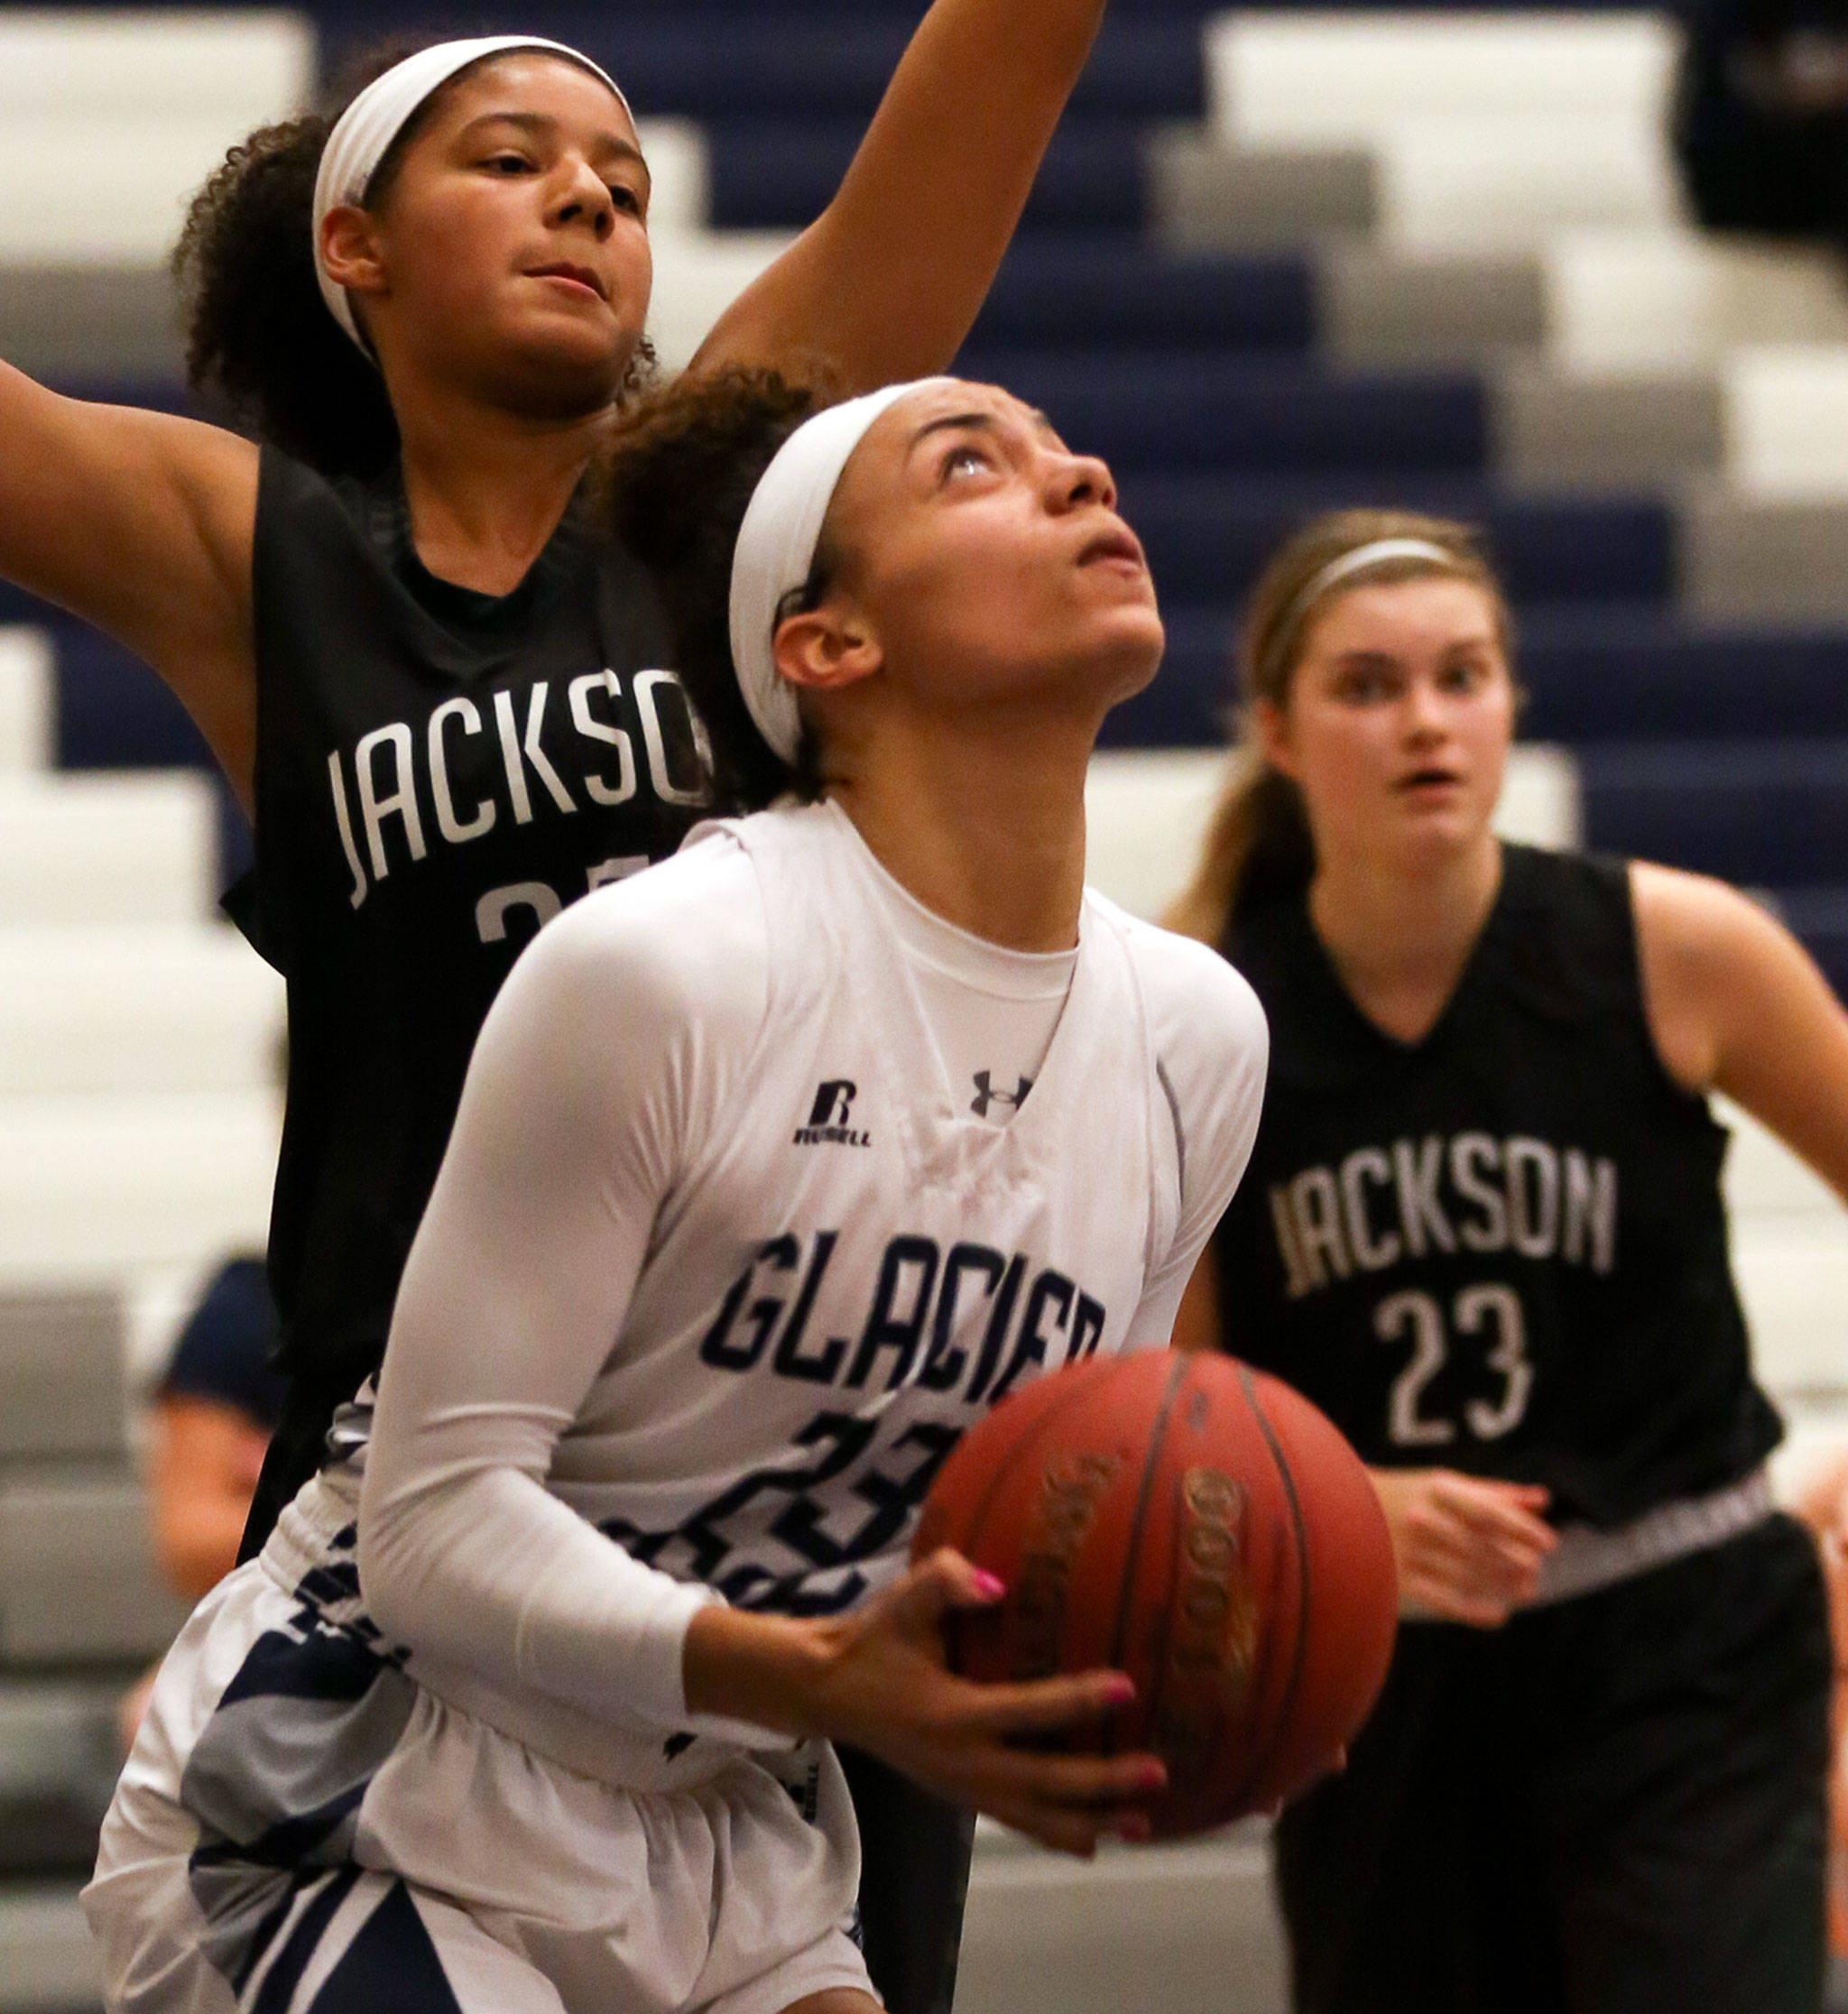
260,340
677,476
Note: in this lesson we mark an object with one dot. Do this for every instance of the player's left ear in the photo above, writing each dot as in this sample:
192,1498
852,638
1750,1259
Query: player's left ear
1270,727
825,648
350,249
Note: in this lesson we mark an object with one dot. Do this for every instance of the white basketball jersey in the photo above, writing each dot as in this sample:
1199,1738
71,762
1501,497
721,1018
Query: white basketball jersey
817,1265
856,1267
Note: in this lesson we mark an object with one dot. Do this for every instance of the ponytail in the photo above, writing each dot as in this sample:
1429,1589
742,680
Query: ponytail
1257,843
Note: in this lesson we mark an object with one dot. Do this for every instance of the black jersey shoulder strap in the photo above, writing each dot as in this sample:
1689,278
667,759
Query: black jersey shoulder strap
1319,1040
1561,938
302,513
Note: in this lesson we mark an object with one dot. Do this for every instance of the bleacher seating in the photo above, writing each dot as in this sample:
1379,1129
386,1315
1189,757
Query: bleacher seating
111,120
1278,261
109,848
1190,1925
59,1762
26,673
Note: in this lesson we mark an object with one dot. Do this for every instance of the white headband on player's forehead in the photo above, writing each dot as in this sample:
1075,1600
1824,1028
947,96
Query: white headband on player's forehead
775,552
364,130
1358,561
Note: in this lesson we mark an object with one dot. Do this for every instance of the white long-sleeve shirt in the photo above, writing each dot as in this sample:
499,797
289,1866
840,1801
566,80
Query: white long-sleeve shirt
724,1258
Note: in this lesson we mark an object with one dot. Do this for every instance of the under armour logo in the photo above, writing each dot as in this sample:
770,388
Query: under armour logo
834,1100
986,1095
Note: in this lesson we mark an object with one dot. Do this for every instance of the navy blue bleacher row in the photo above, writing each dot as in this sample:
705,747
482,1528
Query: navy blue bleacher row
793,63
1608,676
1107,293
776,174
1206,534
1772,814
1222,409
784,94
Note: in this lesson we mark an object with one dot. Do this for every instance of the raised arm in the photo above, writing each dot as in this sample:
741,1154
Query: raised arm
141,523
887,281
1737,1005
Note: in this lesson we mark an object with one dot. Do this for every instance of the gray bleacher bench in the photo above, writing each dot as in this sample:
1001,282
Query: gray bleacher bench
48,1965
59,1755
60,1368
78,1584
83,1610
1188,1927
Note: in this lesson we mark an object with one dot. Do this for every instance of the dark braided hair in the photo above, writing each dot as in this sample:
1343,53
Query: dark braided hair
678,476
260,340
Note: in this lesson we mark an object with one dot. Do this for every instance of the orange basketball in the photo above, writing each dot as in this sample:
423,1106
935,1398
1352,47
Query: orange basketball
1199,1526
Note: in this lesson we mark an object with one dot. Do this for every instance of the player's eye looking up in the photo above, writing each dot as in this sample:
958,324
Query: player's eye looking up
966,456
991,439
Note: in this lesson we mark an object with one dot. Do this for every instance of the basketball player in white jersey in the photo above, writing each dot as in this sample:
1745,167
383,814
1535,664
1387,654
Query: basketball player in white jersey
775,1167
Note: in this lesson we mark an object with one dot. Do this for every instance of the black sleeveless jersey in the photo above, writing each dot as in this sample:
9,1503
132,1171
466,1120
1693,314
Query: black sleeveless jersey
1502,1249
437,773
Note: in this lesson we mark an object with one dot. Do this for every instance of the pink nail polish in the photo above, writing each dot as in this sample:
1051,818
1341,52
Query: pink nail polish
1121,1689
989,1586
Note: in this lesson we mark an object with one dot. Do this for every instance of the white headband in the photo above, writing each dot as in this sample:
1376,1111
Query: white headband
1358,561
365,130
775,552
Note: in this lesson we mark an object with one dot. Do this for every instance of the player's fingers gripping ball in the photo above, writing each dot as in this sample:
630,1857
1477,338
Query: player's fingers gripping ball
1199,1526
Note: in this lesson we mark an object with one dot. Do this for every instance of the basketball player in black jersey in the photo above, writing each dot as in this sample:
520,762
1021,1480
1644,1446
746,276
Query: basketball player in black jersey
1484,1230
449,711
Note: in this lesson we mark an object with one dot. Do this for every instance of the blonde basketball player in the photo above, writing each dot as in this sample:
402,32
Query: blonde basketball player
775,1167
1485,1231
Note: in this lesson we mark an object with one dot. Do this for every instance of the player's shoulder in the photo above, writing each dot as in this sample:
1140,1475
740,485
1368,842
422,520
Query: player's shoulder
1196,1001
685,937
1212,1054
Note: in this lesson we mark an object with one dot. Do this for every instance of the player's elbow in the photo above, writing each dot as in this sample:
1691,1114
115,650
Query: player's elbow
391,1585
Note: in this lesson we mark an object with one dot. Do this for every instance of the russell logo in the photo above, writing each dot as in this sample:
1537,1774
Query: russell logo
830,1116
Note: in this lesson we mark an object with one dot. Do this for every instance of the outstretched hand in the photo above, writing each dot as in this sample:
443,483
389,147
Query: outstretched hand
1468,1549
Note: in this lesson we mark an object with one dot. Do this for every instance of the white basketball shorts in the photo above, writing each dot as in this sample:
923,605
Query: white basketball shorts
301,1829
